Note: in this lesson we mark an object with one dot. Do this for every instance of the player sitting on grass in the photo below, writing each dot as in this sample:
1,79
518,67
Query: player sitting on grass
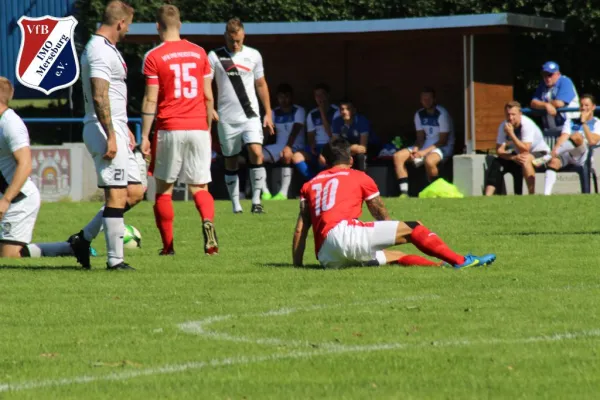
332,203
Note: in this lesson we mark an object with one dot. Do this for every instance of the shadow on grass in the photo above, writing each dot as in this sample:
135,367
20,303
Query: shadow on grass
290,265
41,268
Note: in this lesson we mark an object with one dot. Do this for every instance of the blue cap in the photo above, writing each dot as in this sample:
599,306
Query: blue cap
550,67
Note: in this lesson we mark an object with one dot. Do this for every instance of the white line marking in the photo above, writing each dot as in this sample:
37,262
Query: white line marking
215,363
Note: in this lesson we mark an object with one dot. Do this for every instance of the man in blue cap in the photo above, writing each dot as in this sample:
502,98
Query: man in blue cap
555,91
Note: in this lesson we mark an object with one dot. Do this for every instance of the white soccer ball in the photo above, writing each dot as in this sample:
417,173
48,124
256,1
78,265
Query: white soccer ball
132,238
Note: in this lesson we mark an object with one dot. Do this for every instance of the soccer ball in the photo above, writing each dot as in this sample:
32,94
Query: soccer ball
132,238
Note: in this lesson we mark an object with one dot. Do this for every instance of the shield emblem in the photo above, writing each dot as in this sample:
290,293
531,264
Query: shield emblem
47,59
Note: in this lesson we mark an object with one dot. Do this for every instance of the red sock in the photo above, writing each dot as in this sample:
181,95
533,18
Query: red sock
164,215
430,244
205,204
414,260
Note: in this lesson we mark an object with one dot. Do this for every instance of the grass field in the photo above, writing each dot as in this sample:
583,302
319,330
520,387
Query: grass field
247,325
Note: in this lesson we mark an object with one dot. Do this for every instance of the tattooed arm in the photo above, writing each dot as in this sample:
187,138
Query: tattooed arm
300,233
102,109
377,209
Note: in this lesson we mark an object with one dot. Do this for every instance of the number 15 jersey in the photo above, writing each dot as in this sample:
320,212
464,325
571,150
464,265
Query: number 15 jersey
178,68
336,195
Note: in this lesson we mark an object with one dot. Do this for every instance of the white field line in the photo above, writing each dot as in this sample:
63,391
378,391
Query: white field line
245,360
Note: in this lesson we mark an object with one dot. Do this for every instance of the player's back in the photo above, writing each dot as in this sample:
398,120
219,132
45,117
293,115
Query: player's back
179,68
336,195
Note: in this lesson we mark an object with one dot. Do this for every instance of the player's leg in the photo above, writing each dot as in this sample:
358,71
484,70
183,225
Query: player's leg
300,161
494,177
271,155
408,260
432,245
230,139
253,138
529,172
552,168
432,161
196,173
400,159
287,172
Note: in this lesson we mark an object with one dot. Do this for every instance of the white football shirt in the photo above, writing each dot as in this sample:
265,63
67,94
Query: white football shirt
314,123
433,125
574,125
528,132
101,59
247,65
13,136
284,122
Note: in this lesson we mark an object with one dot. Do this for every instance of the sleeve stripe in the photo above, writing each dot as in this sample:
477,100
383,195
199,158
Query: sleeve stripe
372,196
152,77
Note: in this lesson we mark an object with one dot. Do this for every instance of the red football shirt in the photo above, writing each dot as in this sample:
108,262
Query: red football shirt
179,69
336,195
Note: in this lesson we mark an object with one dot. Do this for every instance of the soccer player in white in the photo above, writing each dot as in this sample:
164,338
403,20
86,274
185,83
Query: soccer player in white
239,74
289,130
571,148
107,136
435,141
20,201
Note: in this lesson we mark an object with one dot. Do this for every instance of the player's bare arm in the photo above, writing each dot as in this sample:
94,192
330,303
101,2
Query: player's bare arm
263,93
377,209
22,172
209,101
419,142
102,109
509,129
300,234
148,113
325,119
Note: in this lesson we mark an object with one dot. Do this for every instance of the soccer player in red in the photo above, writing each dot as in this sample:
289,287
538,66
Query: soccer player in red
178,90
332,203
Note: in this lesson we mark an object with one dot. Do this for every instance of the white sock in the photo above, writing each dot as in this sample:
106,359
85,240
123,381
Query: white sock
93,228
286,179
404,187
233,187
57,249
113,233
549,182
258,180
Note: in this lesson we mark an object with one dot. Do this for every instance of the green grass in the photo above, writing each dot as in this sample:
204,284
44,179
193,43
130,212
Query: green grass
526,327
37,103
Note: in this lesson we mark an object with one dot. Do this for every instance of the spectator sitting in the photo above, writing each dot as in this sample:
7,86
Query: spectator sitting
555,91
519,141
289,129
434,144
571,148
355,128
318,132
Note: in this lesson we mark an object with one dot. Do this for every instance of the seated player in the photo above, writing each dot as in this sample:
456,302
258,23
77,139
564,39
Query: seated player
332,203
20,201
355,128
518,143
435,141
289,130
318,133
571,148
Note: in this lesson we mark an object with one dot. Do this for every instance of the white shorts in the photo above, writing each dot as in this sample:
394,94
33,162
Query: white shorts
19,221
354,243
232,136
121,170
576,156
443,152
183,156
272,152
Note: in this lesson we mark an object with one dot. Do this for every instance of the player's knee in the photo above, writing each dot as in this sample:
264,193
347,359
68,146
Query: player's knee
431,161
576,139
135,194
554,164
401,156
297,157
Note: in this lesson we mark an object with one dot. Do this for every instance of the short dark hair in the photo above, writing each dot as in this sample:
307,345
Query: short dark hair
337,151
285,88
347,101
323,86
428,89
234,25
590,97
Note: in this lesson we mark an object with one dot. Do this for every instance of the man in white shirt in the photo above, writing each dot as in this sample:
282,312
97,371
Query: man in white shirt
572,146
20,201
107,136
239,73
518,143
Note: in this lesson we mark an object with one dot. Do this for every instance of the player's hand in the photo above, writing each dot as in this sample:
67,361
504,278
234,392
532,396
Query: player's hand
215,116
287,154
132,141
522,158
554,153
419,154
111,148
551,110
4,205
145,147
586,116
509,129
268,123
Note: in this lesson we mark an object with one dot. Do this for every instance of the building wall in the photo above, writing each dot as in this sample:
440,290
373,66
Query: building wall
10,34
